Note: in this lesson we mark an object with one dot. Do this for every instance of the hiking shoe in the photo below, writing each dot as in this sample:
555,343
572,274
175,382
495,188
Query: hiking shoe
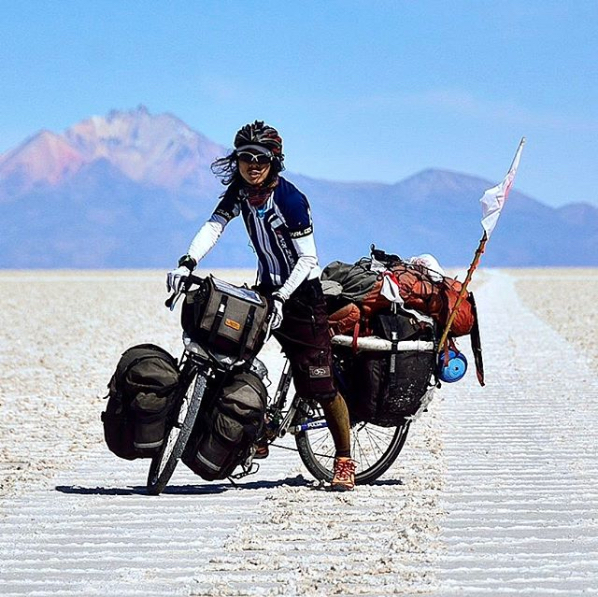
344,474
262,451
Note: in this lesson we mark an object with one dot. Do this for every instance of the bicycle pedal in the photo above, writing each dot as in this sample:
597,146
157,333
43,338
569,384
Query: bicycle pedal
254,467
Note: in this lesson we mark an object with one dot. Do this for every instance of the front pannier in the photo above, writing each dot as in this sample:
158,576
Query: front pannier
227,319
387,387
140,395
222,438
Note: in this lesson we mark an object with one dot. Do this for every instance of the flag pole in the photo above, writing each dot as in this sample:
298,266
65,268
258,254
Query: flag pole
496,199
474,264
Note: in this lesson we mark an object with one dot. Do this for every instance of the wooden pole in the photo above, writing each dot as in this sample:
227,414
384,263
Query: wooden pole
472,268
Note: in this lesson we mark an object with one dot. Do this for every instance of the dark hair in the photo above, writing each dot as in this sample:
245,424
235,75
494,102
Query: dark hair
227,170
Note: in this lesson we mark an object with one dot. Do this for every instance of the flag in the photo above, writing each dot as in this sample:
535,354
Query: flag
494,198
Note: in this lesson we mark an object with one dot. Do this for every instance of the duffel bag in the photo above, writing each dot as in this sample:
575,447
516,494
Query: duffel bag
227,319
140,395
221,439
419,288
387,387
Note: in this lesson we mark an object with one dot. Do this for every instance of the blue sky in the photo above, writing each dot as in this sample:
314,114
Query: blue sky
360,90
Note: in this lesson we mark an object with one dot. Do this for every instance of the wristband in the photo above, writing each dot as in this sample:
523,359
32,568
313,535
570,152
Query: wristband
188,262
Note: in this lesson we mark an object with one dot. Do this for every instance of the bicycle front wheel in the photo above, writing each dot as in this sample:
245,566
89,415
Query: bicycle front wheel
163,464
373,448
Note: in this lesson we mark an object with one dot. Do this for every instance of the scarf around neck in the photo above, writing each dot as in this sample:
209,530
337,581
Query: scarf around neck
257,196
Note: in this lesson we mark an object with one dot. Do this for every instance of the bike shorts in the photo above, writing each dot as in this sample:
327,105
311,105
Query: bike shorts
305,339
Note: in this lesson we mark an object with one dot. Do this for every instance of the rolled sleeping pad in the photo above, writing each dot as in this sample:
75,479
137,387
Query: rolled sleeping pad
375,343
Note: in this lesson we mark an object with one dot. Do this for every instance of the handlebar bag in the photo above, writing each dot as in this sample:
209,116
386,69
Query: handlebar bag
222,437
140,395
227,319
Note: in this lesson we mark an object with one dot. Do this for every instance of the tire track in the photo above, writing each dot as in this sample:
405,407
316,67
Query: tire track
494,494
521,495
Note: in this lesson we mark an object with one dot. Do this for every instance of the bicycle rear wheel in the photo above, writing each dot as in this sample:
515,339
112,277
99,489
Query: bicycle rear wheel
163,464
373,448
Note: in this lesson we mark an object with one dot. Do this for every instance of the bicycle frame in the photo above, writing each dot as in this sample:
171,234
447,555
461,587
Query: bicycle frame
276,410
378,447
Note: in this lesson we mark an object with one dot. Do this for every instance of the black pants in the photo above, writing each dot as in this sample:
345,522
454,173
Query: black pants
305,339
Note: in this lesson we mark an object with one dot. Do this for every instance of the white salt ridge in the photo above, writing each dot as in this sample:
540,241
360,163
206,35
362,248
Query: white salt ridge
520,494
494,493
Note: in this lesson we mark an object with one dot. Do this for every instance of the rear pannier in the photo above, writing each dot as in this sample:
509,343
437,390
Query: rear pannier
140,395
221,440
387,386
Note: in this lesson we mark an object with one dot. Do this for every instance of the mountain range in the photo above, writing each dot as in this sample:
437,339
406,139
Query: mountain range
130,189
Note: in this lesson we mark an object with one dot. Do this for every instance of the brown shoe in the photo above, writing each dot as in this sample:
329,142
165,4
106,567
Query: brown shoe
262,450
344,474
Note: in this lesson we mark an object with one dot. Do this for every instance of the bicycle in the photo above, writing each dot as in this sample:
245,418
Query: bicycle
375,448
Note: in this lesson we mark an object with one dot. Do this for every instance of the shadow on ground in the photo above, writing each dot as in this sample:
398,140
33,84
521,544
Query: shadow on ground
212,489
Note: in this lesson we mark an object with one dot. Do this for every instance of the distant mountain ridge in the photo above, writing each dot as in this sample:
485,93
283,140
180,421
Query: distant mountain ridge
130,189
154,150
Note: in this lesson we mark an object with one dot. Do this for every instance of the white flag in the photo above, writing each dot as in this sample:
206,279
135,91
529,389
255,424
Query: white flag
494,198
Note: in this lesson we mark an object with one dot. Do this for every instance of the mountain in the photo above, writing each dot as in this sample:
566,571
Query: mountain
130,190
45,158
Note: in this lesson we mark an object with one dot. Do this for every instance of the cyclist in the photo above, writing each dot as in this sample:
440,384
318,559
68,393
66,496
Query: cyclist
278,220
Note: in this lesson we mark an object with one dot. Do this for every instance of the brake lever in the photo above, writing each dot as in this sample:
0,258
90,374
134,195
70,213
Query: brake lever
268,330
172,300
186,283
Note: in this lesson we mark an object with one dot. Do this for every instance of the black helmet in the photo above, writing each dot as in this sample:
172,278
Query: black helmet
260,135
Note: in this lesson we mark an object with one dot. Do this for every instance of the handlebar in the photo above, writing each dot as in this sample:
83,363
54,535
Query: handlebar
187,281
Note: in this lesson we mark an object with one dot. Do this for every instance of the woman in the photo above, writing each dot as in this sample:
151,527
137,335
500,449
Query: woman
278,220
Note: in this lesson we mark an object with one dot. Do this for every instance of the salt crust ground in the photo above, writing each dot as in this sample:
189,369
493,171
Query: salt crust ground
567,300
61,334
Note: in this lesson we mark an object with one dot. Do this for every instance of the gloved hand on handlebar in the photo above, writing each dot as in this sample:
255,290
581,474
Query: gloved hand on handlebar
175,277
276,317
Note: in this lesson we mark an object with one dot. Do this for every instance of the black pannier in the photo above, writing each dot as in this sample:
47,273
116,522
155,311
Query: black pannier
227,319
222,437
387,387
140,395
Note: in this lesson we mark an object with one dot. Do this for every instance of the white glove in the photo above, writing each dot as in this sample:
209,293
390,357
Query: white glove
276,317
174,278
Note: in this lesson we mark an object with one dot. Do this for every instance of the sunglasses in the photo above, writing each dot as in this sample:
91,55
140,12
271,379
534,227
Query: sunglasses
253,158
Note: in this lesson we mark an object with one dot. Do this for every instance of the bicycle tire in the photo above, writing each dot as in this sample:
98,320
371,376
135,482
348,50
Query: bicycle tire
316,450
164,463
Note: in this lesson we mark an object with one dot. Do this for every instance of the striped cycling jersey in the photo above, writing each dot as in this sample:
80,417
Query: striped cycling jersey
279,230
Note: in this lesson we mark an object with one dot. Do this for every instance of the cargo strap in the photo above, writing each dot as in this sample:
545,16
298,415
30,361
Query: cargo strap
218,320
392,369
215,329
476,343
246,330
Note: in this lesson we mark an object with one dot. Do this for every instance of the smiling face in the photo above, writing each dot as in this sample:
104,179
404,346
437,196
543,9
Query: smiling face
252,171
